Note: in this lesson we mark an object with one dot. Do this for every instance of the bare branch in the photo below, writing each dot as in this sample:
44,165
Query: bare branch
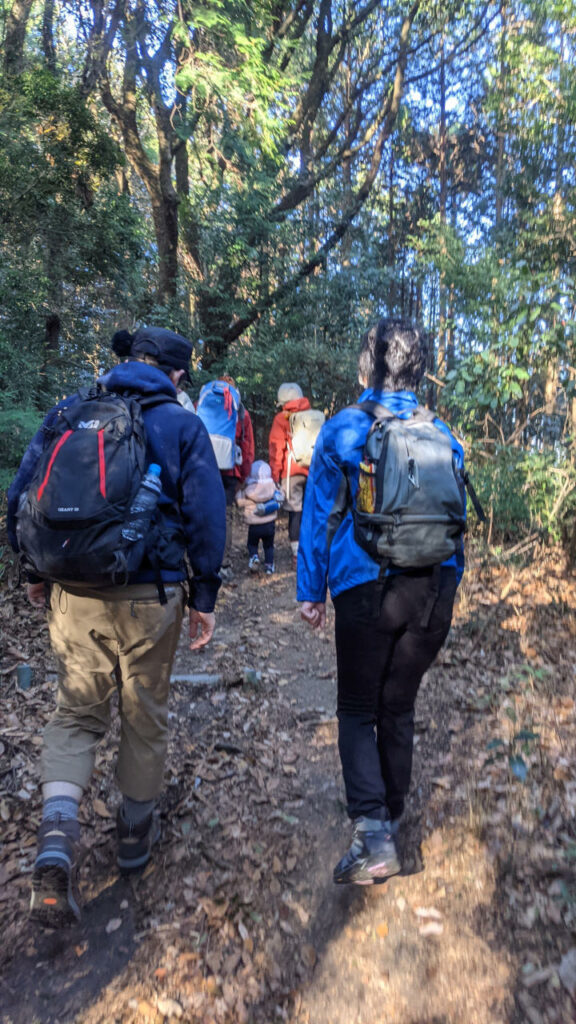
392,107
100,42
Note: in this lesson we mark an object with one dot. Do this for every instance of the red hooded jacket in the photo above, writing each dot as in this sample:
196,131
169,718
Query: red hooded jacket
278,442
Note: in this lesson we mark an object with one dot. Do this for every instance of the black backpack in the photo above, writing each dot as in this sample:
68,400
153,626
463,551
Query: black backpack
409,510
70,520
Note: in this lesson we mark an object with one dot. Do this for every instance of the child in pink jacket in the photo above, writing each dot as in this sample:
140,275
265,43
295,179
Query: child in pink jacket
260,500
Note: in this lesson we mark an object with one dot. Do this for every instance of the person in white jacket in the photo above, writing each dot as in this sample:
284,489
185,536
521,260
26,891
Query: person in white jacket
260,500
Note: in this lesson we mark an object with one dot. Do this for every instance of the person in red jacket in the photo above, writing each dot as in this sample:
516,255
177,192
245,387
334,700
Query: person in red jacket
290,477
234,478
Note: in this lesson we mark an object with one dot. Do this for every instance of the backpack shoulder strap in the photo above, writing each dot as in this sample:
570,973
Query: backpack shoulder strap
374,409
149,401
474,497
427,415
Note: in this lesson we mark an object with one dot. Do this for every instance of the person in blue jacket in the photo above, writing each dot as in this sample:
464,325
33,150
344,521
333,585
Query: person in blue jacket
125,637
382,646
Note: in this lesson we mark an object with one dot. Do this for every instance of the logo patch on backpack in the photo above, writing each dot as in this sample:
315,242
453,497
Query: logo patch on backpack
410,506
69,522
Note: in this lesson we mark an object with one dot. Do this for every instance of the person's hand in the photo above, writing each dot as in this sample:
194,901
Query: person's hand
36,594
314,612
201,628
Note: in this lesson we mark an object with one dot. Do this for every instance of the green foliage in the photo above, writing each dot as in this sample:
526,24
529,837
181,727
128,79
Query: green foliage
54,153
524,491
469,226
230,80
72,247
550,482
17,425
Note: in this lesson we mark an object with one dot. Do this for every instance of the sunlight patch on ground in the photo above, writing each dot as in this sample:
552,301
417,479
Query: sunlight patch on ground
417,949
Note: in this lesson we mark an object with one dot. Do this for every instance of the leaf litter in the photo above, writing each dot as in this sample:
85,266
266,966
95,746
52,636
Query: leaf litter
236,920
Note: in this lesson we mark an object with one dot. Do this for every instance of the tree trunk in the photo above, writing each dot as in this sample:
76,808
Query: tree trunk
165,218
48,35
442,172
231,329
52,332
500,128
391,261
15,36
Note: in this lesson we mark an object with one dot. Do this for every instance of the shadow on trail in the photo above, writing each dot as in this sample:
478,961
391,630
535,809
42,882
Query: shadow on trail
70,968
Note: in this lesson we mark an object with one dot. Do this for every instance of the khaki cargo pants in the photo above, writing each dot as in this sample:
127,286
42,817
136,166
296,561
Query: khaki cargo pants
106,640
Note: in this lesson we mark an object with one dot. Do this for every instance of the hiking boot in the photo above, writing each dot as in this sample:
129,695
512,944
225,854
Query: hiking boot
254,564
395,824
372,856
53,903
269,570
135,842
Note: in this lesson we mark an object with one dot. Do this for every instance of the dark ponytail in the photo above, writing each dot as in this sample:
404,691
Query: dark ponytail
122,344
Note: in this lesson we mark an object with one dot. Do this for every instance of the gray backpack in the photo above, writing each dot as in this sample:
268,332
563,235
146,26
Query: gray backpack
410,506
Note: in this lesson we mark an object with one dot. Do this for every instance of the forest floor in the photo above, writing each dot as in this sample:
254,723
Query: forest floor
236,919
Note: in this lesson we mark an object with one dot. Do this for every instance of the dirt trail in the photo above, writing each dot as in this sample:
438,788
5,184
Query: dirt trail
237,920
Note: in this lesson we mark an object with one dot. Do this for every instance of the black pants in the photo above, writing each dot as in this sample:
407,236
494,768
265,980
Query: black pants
383,650
294,521
262,532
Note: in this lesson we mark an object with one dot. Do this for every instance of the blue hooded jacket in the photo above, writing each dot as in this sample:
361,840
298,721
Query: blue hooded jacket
328,555
192,501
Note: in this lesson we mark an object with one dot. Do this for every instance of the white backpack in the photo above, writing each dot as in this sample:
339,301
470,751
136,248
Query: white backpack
304,429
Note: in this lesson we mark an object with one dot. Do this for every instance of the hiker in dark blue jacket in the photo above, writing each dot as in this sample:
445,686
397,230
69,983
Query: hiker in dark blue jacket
126,636
388,630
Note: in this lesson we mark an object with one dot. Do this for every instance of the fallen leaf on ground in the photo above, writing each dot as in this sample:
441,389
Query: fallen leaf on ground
431,928
169,1007
428,912
147,1011
308,955
567,971
100,808
537,977
443,781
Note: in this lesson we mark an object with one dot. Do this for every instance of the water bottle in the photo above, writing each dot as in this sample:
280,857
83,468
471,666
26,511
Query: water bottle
142,508
265,508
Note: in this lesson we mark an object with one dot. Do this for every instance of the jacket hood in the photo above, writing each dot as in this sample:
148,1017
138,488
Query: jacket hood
396,401
296,405
142,377
260,471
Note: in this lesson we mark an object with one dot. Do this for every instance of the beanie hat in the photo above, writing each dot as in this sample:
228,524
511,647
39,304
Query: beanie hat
170,350
289,393
260,471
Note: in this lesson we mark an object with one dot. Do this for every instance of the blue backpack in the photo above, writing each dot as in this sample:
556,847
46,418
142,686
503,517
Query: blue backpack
219,407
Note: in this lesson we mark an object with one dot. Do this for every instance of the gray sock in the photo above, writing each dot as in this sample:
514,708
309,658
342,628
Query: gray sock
64,807
135,811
